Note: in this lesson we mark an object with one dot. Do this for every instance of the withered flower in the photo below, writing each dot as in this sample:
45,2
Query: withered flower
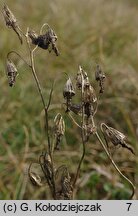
59,129
11,21
11,72
82,78
100,77
89,95
46,41
79,78
89,99
68,93
116,137
64,185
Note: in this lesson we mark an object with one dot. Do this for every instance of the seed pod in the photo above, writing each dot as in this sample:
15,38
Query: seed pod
100,76
116,137
11,72
68,91
59,129
11,21
89,95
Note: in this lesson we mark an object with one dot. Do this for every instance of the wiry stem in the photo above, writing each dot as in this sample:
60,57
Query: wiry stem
114,164
44,105
14,52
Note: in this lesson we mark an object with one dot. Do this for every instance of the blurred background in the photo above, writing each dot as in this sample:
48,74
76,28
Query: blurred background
89,31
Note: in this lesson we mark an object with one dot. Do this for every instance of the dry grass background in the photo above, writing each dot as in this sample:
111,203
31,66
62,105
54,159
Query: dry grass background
87,30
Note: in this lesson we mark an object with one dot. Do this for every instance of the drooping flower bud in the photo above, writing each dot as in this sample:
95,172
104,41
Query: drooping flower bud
11,72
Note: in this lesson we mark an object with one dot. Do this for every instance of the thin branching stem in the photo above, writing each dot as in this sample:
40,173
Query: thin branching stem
14,52
50,96
44,105
45,24
114,164
74,121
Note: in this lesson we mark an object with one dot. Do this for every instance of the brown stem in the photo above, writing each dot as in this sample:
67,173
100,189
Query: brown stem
14,52
44,105
114,164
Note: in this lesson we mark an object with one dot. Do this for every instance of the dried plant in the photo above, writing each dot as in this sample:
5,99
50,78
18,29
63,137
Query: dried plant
58,179
11,21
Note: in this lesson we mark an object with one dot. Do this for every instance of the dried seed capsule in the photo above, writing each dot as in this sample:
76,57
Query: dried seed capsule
63,182
116,137
66,185
89,95
68,91
11,72
11,21
59,129
9,17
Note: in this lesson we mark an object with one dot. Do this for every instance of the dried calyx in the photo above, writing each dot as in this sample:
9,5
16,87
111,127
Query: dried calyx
45,41
115,137
100,77
64,186
11,72
11,21
89,97
68,93
59,129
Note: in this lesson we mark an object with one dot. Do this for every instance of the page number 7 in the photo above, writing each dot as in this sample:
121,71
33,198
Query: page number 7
129,204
